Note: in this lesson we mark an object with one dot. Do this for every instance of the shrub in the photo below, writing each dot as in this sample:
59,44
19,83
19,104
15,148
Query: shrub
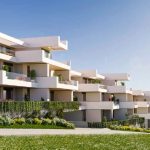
105,124
6,120
61,122
49,115
37,121
129,128
35,114
29,121
46,121
19,121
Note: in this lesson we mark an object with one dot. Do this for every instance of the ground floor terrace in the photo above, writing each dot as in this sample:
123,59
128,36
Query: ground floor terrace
23,93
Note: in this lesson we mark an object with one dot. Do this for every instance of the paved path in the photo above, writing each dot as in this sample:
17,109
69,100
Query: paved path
77,131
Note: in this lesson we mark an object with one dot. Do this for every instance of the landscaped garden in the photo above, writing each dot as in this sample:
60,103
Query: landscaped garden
35,114
132,123
77,142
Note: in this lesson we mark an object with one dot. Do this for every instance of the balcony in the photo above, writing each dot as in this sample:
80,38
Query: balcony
7,51
137,93
7,54
15,79
117,76
146,116
47,43
142,104
91,87
40,56
53,82
17,76
118,89
128,104
99,105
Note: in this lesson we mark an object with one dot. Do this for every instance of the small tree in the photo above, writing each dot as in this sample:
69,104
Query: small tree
122,83
33,74
6,68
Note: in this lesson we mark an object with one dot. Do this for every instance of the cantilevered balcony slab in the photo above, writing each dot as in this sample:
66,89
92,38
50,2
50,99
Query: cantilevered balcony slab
142,104
118,89
89,87
99,105
128,104
137,92
54,83
117,76
15,79
7,57
10,41
93,74
146,116
48,43
38,56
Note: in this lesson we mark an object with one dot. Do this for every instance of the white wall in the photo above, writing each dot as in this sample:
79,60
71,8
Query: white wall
93,96
93,115
29,56
74,116
36,94
20,93
65,74
42,70
120,114
63,95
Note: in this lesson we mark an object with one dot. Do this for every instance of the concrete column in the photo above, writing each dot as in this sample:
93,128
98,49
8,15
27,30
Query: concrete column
37,94
111,114
1,64
1,93
146,123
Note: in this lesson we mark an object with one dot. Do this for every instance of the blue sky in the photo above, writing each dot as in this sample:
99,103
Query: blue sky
110,35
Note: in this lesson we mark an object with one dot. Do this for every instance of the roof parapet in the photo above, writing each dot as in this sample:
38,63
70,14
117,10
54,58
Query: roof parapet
93,74
117,76
47,43
10,41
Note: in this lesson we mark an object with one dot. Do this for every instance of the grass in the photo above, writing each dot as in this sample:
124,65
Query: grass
76,142
31,126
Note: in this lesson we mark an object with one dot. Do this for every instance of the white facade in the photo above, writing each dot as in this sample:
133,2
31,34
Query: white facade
27,70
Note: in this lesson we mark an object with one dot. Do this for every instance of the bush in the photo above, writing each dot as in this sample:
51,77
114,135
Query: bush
6,120
129,128
61,122
102,124
35,114
46,121
49,115
19,121
37,121
29,121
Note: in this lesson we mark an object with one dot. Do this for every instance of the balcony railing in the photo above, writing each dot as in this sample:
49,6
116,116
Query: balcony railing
102,86
99,105
17,76
7,52
48,54
72,82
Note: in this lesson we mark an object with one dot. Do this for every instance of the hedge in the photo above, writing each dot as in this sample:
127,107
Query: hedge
102,124
129,128
29,106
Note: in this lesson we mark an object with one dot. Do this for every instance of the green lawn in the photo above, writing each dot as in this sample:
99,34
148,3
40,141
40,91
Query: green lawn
76,142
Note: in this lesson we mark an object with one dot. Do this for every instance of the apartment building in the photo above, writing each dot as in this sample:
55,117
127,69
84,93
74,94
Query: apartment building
100,96
28,71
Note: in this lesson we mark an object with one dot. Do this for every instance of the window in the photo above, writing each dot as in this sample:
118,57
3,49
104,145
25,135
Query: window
28,71
84,96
